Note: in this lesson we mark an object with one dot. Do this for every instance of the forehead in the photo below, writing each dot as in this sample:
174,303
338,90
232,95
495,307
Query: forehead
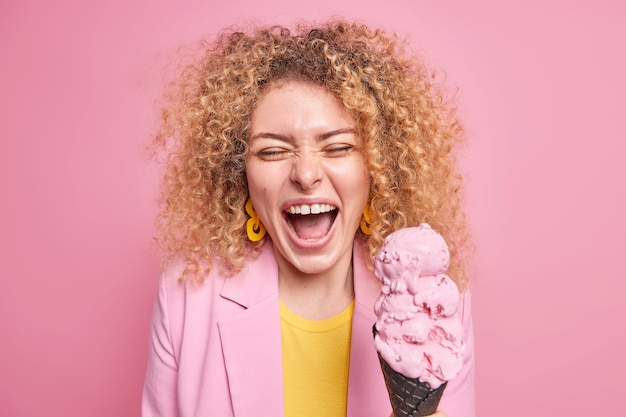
299,104
286,87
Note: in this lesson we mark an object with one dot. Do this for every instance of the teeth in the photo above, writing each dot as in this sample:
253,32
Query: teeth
305,209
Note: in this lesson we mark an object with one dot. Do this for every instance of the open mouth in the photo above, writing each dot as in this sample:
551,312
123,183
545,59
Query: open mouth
311,221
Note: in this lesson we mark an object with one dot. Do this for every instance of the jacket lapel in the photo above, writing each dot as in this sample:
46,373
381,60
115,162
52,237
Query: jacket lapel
367,384
251,339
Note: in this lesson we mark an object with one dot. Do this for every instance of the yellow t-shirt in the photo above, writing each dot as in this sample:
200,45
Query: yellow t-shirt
316,363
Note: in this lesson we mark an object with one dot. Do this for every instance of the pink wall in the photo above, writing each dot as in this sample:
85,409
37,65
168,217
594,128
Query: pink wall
542,92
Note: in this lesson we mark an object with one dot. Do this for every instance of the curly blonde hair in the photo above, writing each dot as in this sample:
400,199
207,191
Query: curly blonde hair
407,125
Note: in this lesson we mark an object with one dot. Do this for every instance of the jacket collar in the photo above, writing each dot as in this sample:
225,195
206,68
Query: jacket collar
366,286
251,286
367,393
256,282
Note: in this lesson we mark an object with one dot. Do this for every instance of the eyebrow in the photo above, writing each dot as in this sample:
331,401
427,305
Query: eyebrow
320,137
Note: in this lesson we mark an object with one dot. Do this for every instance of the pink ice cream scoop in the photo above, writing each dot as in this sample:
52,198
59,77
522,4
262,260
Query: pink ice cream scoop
418,332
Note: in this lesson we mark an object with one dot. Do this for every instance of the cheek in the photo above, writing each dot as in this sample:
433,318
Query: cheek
256,190
261,182
254,178
361,178
263,186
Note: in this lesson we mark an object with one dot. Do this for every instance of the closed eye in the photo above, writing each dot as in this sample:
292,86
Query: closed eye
337,149
273,154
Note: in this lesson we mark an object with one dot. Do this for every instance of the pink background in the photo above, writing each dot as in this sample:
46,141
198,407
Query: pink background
542,94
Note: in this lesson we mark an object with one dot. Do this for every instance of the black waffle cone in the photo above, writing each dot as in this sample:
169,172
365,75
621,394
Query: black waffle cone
409,396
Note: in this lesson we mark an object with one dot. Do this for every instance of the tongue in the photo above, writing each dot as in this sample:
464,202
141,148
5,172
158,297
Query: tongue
312,226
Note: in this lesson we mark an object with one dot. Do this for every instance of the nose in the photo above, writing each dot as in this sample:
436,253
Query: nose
307,170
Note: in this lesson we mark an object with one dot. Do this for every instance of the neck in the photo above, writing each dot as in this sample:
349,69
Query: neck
317,296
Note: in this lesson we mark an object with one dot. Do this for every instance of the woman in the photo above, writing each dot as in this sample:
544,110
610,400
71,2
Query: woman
290,156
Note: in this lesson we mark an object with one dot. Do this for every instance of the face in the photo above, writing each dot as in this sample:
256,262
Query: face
307,178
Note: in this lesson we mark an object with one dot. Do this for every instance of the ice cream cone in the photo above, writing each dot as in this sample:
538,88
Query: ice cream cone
418,331
409,396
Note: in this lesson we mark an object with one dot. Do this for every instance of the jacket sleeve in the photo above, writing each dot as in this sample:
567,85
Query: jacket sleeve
458,397
160,386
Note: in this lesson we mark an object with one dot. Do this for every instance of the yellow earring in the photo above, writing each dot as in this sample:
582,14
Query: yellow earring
367,220
254,227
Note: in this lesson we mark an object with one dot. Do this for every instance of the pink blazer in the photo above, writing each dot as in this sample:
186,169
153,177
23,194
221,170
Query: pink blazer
215,349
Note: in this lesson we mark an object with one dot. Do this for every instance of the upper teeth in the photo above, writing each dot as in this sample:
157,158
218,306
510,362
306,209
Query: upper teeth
311,209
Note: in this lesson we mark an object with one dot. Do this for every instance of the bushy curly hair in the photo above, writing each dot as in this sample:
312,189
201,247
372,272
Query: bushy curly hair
402,114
